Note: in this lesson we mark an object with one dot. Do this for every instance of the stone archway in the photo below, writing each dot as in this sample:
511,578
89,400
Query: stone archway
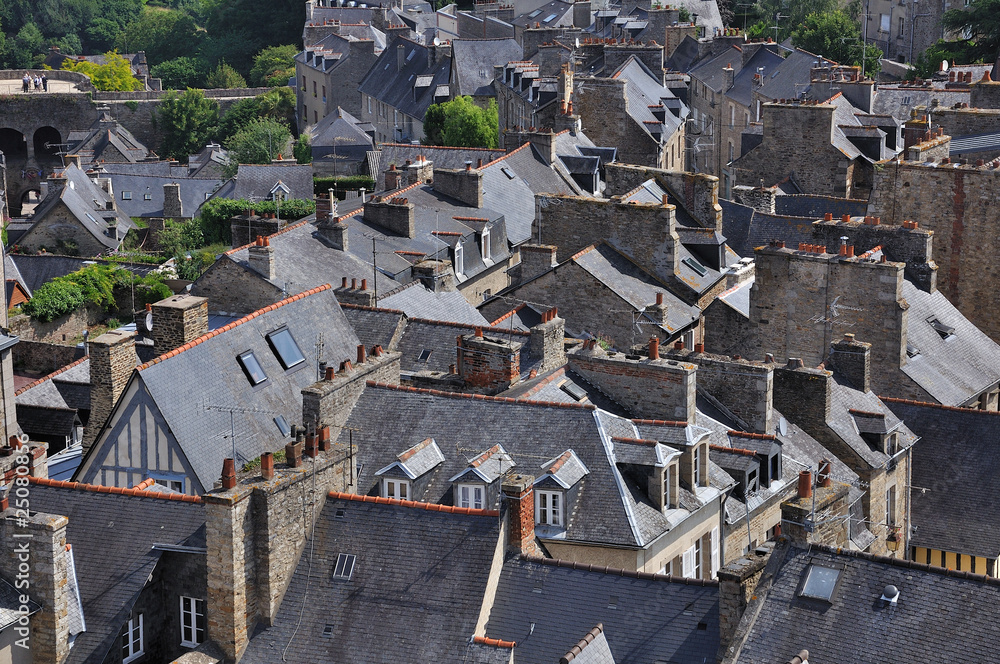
47,143
13,144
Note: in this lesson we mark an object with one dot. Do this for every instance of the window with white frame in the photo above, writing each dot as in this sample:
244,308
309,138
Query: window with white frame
133,644
714,539
548,508
459,259
890,506
689,564
696,479
393,488
173,485
668,569
666,488
471,495
192,621
486,244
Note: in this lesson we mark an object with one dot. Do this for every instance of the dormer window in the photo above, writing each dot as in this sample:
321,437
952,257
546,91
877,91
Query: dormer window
394,488
472,486
486,244
670,494
560,480
471,495
459,259
407,476
548,508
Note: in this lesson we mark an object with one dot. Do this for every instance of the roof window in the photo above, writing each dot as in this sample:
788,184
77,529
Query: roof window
126,195
696,266
285,348
282,425
506,171
945,331
251,367
535,13
574,391
328,631
820,583
424,355
344,568
549,18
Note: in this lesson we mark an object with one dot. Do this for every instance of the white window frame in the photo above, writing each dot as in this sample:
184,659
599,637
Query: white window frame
133,626
486,244
194,609
696,480
714,540
688,563
890,506
666,488
549,508
470,495
175,485
396,488
459,259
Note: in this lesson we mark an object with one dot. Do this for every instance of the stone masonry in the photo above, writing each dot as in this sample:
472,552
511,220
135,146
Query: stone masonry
112,361
178,320
697,193
329,402
488,364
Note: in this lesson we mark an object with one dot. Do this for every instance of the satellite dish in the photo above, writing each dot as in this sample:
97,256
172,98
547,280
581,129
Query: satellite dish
437,42
783,426
147,323
944,65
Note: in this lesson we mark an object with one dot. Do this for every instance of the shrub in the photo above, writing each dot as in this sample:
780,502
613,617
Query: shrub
54,299
342,184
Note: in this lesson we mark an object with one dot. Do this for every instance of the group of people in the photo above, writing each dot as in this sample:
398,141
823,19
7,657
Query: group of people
40,82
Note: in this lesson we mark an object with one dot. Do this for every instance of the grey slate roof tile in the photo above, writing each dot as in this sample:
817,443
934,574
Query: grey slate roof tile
395,86
417,301
473,61
442,157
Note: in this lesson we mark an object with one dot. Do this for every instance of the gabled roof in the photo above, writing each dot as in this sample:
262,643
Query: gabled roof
442,157
488,466
109,141
417,460
257,180
415,591
340,135
112,535
548,606
473,61
131,191
644,91
844,402
439,337
396,87
417,301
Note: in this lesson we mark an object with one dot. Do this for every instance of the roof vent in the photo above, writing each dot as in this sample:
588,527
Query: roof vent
890,594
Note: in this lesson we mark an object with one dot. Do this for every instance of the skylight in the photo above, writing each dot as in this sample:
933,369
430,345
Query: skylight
506,171
944,330
574,391
285,348
696,266
549,18
424,354
251,367
820,582
410,56
344,568
535,13
282,425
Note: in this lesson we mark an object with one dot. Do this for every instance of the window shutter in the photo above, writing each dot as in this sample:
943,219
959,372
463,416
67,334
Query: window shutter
715,550
687,563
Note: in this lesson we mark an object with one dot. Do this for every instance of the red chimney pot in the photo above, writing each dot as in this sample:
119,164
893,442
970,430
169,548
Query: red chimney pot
267,465
805,484
654,348
228,474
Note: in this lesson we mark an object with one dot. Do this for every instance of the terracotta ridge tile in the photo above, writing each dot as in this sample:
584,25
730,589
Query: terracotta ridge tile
229,326
747,434
734,450
496,643
583,251
638,441
661,423
508,314
431,507
283,230
139,490
480,397
470,326
587,639
499,159
36,383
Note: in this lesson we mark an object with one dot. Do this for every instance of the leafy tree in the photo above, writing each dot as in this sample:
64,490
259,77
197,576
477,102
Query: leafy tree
302,150
237,47
789,15
834,35
180,73
241,19
980,22
26,51
162,34
955,52
101,34
460,123
53,299
188,120
258,143
274,65
278,104
114,74
224,76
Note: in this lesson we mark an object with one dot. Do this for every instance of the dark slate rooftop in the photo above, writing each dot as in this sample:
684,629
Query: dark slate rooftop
473,61
958,454
375,327
442,157
935,612
845,399
975,143
112,537
746,228
340,138
439,338
131,190
414,595
815,206
42,268
108,141
546,607
898,100
553,14
258,180
417,301
395,86
953,370
645,90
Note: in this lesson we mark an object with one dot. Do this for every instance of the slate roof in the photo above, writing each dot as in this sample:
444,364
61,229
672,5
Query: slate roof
395,87
546,607
375,327
845,399
935,611
194,192
953,370
108,141
738,297
684,56
815,206
956,457
441,157
417,301
112,537
897,101
975,143
558,385
561,14
340,137
258,180
644,90
439,337
415,593
195,410
67,387
746,228
473,61
10,605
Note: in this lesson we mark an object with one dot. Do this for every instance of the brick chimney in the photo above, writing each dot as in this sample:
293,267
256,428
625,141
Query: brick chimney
852,359
547,341
435,274
519,499
357,292
261,258
489,365
172,206
536,259
178,320
465,185
112,359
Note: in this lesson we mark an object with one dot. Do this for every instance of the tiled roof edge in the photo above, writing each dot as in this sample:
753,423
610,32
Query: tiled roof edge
940,406
907,564
438,147
734,450
139,490
508,314
50,376
661,423
430,507
497,330
865,413
481,397
558,373
639,441
363,307
496,643
587,639
499,159
747,434
229,326
283,230
616,571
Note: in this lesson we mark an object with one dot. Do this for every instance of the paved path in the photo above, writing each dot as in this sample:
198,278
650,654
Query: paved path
13,86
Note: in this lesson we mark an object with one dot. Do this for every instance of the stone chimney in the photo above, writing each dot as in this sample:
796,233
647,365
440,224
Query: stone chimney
536,259
172,206
582,15
465,185
328,402
395,215
852,359
657,310
737,582
800,525
730,75
400,56
435,274
334,232
519,499
112,360
547,341
357,292
422,171
261,258
803,395
914,130
394,178
178,320
489,365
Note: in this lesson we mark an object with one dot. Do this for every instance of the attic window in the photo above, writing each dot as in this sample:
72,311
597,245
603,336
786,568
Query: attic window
91,217
548,18
328,631
251,367
126,195
535,13
424,355
574,391
820,583
944,330
509,173
696,266
282,425
344,568
147,197
410,56
285,348
911,350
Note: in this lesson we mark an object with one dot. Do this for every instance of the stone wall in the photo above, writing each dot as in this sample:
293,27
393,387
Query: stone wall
737,581
245,229
176,575
112,361
178,320
697,193
957,203
804,396
234,289
828,506
57,230
985,94
964,121
742,386
489,365
602,107
762,520
490,281
655,389
41,357
465,185
536,259
727,331
329,402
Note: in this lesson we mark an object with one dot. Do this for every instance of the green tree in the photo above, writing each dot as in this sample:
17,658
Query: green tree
273,66
224,76
955,52
258,143
302,150
980,23
188,120
162,34
114,74
460,123
180,73
834,35
278,104
788,15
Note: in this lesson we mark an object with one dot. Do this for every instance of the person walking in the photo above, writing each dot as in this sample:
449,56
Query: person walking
45,83
25,82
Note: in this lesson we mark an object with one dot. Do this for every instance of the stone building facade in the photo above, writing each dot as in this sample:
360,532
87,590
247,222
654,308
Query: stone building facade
327,75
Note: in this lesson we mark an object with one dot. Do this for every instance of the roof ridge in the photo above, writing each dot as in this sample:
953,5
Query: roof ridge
36,383
617,571
661,423
485,328
250,244
734,450
907,564
438,147
748,434
496,643
364,307
400,288
865,413
402,190
941,406
499,159
587,639
139,490
556,373
585,250
640,441
508,314
430,507
480,397
225,328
